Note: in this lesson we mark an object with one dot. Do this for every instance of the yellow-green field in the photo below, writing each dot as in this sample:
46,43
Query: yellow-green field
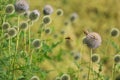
62,50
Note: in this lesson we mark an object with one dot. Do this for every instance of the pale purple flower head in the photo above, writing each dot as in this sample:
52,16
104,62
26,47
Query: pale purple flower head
92,39
47,10
21,6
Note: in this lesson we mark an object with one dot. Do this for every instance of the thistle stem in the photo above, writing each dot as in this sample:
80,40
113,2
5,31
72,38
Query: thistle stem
89,66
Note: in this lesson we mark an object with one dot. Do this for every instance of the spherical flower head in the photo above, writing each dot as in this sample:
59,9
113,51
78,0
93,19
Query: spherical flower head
77,56
117,58
65,77
26,14
73,17
10,9
92,40
23,26
59,12
34,15
5,25
35,78
46,20
6,36
95,58
12,32
115,32
21,6
48,31
47,10
36,43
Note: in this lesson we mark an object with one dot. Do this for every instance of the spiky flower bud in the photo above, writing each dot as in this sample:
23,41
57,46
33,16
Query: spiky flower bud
12,32
46,20
92,39
73,17
117,58
95,58
47,10
6,36
115,32
35,78
59,12
77,56
26,14
34,15
21,6
23,26
65,77
10,9
5,25
36,43
48,31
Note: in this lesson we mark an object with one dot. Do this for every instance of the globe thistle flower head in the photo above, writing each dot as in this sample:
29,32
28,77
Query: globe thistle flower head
21,6
73,17
36,43
48,31
12,32
65,77
95,58
117,58
35,78
34,15
47,10
59,12
6,36
46,20
10,9
5,25
92,39
23,26
26,14
115,32
76,56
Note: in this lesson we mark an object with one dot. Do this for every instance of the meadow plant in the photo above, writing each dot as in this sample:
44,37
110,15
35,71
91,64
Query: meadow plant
47,10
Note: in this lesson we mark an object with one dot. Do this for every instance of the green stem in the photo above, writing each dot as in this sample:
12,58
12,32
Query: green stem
113,71
89,66
25,40
29,37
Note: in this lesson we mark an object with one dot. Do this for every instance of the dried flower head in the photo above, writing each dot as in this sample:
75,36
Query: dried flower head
23,26
5,25
117,58
12,32
65,77
92,39
36,43
59,12
73,17
115,32
35,78
95,58
34,15
21,6
46,20
10,9
47,10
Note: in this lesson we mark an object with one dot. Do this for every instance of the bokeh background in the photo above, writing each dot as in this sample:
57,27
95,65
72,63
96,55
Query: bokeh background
94,15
